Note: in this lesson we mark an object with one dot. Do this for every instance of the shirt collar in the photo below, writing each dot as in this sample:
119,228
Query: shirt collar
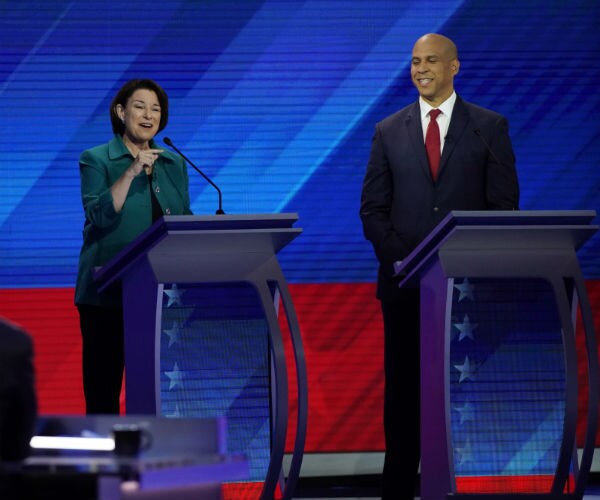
446,107
117,148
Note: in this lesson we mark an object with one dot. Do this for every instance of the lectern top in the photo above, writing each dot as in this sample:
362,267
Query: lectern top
573,226
228,221
510,217
265,232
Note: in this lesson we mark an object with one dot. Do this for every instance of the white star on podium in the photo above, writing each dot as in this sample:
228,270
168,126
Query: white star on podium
174,296
466,370
173,333
466,290
176,413
466,412
465,453
466,328
175,376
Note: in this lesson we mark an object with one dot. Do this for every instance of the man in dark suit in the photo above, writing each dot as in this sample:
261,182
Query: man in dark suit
18,403
403,199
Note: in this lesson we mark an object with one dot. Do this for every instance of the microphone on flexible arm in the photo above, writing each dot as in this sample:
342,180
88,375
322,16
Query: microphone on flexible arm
169,143
487,146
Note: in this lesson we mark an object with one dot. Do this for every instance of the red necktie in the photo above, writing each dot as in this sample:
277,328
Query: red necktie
432,143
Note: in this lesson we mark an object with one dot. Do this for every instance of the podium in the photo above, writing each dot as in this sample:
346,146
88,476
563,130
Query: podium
201,299
500,295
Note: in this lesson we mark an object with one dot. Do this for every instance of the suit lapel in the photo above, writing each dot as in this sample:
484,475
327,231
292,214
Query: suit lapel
458,123
415,132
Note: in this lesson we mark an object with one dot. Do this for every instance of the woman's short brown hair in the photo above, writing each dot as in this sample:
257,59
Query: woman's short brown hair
125,93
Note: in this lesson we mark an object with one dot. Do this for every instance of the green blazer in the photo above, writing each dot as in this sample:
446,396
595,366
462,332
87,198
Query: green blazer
105,231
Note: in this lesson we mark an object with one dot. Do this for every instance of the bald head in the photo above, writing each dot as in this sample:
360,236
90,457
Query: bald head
434,65
443,44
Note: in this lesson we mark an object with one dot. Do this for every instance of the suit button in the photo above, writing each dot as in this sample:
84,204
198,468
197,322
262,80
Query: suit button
157,189
168,211
435,209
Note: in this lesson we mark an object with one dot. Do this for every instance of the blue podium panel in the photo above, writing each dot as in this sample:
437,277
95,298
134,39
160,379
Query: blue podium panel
506,377
202,297
500,292
214,362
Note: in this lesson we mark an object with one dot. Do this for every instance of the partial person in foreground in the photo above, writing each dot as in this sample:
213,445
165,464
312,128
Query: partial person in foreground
18,406
438,154
18,401
126,185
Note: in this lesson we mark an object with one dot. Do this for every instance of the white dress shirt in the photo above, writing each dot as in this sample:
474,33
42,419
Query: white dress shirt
443,118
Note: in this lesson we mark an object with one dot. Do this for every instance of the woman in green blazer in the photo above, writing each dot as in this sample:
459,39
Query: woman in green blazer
126,184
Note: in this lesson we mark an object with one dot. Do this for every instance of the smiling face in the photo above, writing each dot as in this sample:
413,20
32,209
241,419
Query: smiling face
433,66
141,117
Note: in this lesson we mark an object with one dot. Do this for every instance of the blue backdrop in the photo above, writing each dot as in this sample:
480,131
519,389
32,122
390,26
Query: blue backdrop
276,101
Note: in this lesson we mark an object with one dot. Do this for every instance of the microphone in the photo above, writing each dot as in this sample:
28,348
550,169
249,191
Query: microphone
491,151
169,143
487,146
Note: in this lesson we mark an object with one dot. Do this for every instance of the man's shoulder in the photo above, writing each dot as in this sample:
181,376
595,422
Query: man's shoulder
13,338
476,110
401,115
